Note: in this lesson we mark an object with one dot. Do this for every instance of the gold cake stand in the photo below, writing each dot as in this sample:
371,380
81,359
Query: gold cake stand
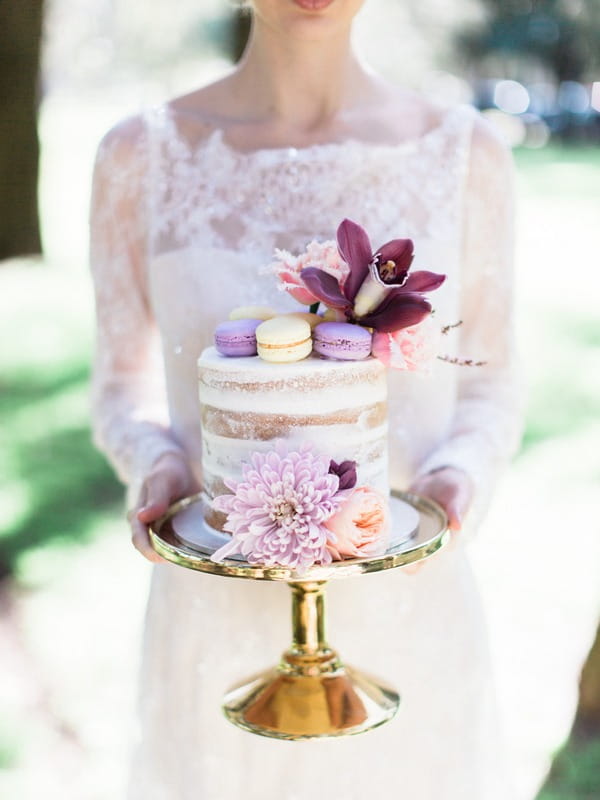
311,693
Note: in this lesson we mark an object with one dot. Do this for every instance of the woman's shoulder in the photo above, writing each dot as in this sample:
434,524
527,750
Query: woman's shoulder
200,110
123,147
490,155
201,113
408,115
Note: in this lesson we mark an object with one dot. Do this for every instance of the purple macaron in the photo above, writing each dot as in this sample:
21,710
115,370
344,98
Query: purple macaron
341,340
237,337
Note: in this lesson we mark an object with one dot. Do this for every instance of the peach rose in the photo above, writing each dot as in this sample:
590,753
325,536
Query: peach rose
361,526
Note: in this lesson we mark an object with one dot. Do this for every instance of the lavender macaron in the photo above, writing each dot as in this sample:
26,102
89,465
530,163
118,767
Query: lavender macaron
237,337
342,341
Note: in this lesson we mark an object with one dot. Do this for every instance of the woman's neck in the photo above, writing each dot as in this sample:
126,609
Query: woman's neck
300,83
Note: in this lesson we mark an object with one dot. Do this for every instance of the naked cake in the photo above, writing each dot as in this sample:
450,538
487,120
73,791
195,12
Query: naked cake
246,404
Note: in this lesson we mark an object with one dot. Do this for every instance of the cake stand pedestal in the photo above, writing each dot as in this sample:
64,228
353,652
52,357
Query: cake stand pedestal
311,693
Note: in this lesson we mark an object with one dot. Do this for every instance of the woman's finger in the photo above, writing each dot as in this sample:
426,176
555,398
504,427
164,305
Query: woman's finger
160,493
141,541
458,502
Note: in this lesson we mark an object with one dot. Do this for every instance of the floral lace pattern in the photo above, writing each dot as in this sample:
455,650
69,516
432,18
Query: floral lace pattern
181,232
283,197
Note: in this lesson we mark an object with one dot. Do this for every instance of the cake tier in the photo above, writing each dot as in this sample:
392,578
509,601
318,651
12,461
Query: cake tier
338,407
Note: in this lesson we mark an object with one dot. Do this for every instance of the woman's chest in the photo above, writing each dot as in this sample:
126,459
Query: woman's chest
284,199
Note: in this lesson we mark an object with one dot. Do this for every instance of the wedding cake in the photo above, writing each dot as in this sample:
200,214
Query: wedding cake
293,406
246,404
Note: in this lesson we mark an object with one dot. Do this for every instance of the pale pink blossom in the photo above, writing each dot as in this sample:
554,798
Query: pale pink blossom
411,349
276,514
361,526
323,255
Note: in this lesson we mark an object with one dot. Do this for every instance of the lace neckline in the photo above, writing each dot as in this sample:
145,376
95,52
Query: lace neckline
216,140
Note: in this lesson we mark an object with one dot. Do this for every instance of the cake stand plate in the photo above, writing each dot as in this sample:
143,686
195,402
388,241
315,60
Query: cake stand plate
311,693
189,528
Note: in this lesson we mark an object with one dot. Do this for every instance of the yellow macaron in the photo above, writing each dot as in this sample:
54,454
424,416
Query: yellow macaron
312,319
284,339
333,315
252,312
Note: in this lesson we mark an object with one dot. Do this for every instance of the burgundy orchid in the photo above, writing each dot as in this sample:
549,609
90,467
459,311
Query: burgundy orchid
379,292
346,472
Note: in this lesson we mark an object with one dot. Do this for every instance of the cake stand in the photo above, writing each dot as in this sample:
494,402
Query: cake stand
311,693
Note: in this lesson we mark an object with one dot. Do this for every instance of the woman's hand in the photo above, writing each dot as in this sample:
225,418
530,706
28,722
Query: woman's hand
169,480
452,488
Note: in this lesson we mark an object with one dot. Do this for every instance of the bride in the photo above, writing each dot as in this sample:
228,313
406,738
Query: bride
189,202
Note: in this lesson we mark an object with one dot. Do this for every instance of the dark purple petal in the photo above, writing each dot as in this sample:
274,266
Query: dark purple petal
346,472
400,251
392,296
355,249
423,281
398,310
324,287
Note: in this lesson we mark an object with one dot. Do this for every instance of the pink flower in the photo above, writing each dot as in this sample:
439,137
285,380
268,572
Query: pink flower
277,512
324,255
411,348
361,526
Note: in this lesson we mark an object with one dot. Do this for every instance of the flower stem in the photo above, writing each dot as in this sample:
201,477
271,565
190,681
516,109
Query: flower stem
462,362
314,307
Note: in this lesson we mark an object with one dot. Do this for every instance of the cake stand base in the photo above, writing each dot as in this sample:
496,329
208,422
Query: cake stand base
311,694
288,706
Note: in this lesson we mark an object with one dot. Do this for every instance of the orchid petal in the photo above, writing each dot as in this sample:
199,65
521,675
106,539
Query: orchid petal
324,287
398,310
400,251
423,281
370,294
355,248
346,472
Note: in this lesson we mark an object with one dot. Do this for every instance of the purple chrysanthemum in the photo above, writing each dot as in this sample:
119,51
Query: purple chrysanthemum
277,511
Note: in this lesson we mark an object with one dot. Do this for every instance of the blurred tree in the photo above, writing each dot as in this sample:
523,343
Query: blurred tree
20,35
563,35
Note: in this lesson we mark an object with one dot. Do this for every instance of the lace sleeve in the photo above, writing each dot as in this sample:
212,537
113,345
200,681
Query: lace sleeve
487,424
130,420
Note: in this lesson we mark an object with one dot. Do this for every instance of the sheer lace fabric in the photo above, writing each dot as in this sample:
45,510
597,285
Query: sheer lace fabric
183,226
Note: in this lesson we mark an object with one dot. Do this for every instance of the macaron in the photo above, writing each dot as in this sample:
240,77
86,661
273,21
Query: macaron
333,315
342,341
252,312
284,339
237,337
312,319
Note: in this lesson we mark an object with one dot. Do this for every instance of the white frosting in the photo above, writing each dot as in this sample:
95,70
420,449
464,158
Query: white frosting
364,379
342,404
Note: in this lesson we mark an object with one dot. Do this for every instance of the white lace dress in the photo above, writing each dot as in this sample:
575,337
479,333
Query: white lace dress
182,226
